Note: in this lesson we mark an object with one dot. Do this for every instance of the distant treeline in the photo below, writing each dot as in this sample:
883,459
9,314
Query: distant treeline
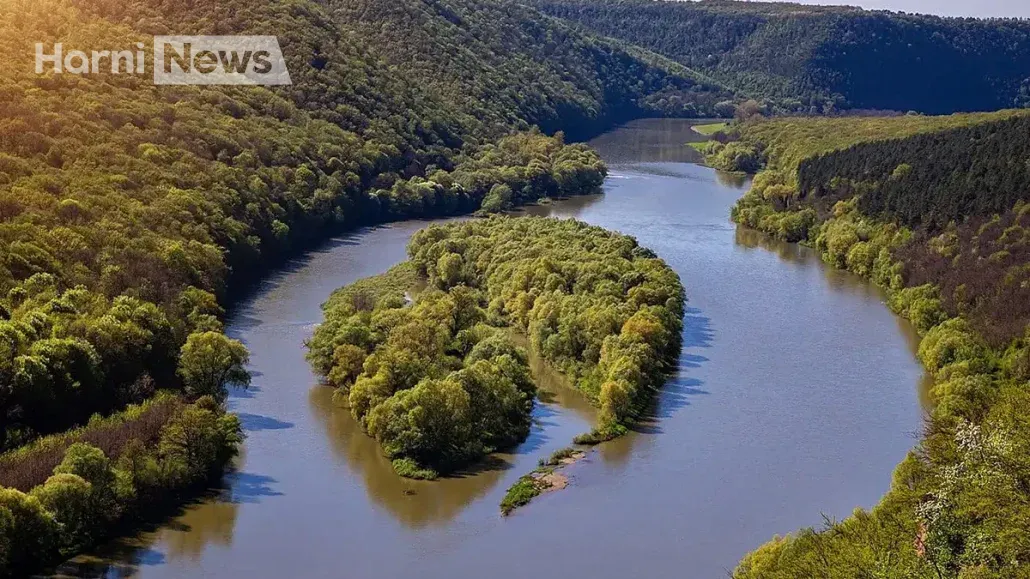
501,64
816,59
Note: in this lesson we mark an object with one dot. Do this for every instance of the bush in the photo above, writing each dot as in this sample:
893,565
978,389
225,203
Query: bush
70,499
32,532
520,494
952,349
210,363
408,468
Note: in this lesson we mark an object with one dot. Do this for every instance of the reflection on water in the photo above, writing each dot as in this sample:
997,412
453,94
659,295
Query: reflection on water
732,180
795,396
419,504
414,503
838,279
649,141
208,523
570,206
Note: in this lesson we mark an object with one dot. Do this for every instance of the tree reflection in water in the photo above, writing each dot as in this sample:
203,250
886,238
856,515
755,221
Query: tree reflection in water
206,523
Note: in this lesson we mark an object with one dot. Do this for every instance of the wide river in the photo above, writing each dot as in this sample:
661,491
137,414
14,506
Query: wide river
797,394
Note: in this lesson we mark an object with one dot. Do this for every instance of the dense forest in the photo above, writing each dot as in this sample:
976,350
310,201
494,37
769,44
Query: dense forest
816,59
146,202
130,214
439,383
933,210
504,64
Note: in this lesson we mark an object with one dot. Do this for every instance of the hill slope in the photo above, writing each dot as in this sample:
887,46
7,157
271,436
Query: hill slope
808,57
506,64
153,199
935,210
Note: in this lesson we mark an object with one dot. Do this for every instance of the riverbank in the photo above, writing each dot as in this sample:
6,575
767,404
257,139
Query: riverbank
796,432
979,358
597,307
69,492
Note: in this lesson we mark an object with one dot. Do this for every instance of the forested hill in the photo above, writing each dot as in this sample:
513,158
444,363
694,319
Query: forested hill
126,209
506,64
807,57
487,65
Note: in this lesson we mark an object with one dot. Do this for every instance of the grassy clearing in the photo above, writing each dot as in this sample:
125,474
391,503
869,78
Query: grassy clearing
712,129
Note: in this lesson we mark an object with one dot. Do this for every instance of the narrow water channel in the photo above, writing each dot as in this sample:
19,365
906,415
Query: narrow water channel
797,393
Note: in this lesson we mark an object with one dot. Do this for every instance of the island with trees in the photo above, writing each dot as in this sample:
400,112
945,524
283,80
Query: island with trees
132,215
437,378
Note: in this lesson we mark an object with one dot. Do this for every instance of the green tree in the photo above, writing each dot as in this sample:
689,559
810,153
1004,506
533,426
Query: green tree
210,363
70,499
498,199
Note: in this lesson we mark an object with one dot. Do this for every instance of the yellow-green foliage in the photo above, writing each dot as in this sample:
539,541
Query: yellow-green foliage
127,210
735,156
959,505
431,381
90,494
597,306
520,494
436,381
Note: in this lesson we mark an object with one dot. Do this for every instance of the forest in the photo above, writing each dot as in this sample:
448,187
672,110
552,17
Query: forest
438,381
504,65
818,59
955,264
131,215
129,211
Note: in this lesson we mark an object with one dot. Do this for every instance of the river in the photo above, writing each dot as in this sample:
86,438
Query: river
797,394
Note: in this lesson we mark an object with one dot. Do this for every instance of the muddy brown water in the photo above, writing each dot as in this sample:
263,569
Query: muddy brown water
797,394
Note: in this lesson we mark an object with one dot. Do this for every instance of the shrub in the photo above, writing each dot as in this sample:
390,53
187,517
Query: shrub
951,348
32,532
70,499
520,494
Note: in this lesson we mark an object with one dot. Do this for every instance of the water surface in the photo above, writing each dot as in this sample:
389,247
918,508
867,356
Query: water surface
796,395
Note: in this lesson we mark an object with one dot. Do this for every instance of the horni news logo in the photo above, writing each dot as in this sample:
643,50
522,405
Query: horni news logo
179,60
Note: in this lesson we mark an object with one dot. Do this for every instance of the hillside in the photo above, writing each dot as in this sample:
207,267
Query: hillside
504,64
130,214
136,191
809,58
935,211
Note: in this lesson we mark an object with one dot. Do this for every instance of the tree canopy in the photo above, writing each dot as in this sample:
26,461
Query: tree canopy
933,209
438,382
815,59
